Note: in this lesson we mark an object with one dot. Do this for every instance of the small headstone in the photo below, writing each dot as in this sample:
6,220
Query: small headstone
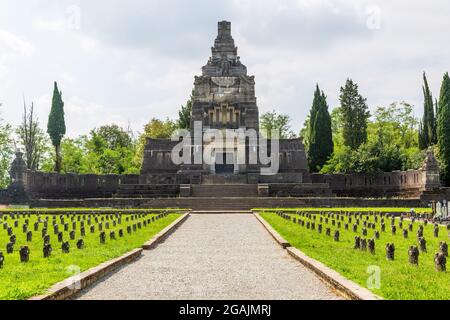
383,227
47,238
319,228
440,262
390,251
29,236
112,235
60,237
413,255
72,235
92,228
443,247
80,244
371,245
9,247
102,237
65,247
346,226
419,233
422,244
47,250
66,227
10,231
36,226
129,229
364,232
120,233
363,244
436,231
405,234
24,254
328,232
410,227
393,230
377,235
336,235
13,239
2,260
355,227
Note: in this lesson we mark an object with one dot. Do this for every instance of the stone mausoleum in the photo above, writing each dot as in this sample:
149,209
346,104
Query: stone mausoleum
224,98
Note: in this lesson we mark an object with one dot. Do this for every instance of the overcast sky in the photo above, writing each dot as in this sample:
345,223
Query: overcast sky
126,62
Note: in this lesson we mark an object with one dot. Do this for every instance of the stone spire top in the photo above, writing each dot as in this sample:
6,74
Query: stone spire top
224,44
224,60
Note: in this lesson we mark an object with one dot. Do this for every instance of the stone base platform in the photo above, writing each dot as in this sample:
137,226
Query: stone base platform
227,203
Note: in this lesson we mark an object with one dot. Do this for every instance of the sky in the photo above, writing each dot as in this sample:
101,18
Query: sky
126,62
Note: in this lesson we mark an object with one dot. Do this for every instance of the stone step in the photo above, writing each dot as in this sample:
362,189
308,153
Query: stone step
234,190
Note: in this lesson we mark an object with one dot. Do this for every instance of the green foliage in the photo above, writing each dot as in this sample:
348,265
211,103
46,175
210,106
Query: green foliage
56,126
33,140
155,129
443,130
399,279
427,131
392,143
23,280
6,153
355,115
184,115
320,145
273,121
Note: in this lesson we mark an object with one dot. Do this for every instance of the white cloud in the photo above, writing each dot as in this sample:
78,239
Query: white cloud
11,44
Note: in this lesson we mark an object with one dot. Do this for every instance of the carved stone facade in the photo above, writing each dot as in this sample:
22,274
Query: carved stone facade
224,99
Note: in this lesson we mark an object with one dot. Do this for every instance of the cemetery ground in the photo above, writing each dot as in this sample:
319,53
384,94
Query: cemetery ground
398,279
88,237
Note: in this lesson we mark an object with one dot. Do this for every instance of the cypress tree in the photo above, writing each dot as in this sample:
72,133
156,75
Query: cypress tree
321,138
443,129
428,131
355,115
56,127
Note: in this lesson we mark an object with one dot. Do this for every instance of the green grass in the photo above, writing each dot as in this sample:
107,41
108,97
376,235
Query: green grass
22,280
399,280
404,210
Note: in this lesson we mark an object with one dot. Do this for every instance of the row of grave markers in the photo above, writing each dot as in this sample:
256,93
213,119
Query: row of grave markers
364,244
99,218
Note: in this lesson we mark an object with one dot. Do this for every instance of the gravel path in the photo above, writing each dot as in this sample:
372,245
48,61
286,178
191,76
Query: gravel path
213,257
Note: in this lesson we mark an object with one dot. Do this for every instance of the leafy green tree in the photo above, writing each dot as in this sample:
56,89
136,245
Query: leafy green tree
391,144
6,153
355,115
155,129
273,121
56,126
32,139
184,115
443,130
427,129
320,136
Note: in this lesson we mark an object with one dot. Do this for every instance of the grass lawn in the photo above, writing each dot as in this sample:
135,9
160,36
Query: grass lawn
399,280
392,210
23,280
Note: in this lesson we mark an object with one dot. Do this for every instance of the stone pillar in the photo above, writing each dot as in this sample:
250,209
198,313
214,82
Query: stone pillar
430,169
19,179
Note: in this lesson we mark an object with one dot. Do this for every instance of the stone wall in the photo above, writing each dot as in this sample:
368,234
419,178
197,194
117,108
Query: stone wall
387,184
74,186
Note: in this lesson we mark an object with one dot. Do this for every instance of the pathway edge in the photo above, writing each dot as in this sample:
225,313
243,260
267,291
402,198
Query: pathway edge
343,285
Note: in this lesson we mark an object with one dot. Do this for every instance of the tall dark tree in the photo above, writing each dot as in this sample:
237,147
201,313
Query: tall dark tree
428,129
355,115
443,129
184,115
56,127
320,136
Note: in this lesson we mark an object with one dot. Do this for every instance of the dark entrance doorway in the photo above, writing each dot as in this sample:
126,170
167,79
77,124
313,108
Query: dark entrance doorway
225,165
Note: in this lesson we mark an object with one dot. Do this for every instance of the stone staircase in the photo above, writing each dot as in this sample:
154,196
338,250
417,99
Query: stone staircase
227,190
147,191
